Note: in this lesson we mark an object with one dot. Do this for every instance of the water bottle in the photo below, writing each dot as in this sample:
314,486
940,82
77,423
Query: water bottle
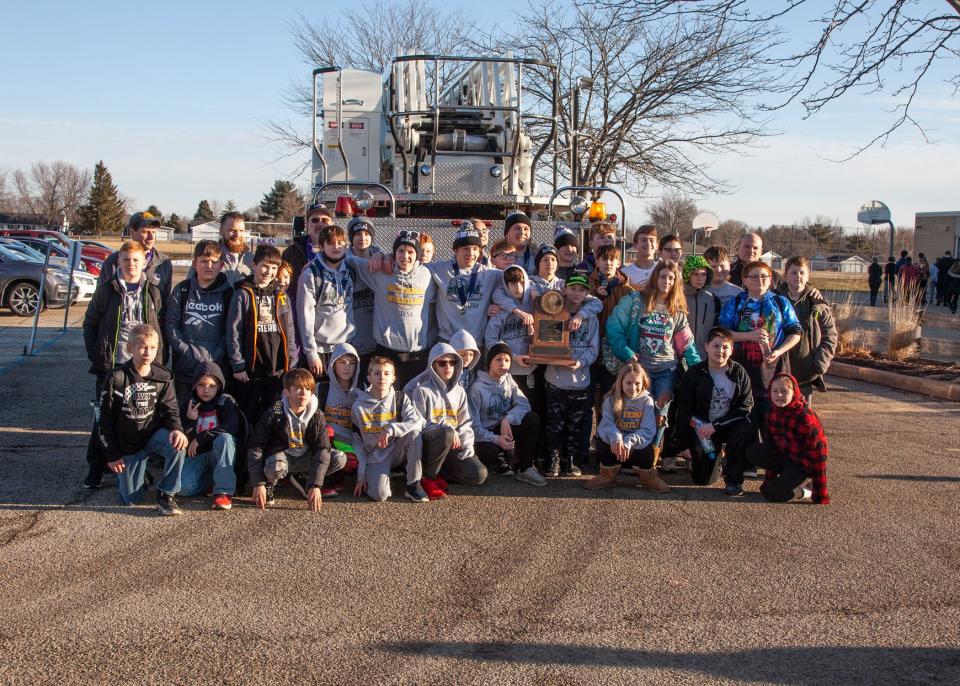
709,449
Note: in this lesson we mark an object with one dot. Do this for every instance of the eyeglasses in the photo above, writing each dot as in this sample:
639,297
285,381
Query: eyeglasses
506,255
446,363
762,277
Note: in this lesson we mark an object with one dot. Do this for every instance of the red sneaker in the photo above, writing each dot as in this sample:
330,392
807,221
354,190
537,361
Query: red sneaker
432,489
221,501
442,483
329,492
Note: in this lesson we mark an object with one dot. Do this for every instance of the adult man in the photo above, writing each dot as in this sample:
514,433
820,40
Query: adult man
943,266
749,250
237,257
303,249
159,268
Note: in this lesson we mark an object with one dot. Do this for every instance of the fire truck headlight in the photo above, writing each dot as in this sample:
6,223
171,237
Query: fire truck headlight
496,171
363,200
426,169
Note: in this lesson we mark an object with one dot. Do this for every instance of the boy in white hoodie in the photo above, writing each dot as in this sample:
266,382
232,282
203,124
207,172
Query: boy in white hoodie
507,430
447,438
385,435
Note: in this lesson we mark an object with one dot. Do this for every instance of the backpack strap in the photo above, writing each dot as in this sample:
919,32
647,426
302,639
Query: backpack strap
323,392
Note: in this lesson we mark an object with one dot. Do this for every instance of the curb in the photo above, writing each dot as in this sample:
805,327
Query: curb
931,387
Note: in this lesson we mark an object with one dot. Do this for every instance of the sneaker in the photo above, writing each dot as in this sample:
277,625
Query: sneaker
441,483
416,493
329,492
668,465
531,476
167,505
571,470
733,490
270,499
221,501
750,473
804,495
432,488
503,469
297,485
553,468
94,479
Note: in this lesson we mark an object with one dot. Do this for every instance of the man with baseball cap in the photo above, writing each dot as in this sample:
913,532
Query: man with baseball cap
303,248
159,269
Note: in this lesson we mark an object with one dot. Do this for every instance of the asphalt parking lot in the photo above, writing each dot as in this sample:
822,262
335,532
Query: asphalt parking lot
499,584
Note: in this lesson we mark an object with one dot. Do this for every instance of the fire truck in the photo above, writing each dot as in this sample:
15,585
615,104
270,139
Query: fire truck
436,140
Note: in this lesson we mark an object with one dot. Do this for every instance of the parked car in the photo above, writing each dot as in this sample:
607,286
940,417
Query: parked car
96,244
92,256
86,283
20,280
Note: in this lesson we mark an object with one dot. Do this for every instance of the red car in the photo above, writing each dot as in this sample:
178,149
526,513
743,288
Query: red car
91,255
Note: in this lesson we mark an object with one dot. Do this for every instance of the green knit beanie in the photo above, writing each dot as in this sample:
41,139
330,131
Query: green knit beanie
694,262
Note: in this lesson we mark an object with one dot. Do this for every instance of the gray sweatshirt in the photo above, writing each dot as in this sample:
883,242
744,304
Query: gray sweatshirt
637,426
506,327
236,266
371,416
443,402
493,399
297,425
725,291
462,340
584,347
339,403
363,339
401,305
470,311
324,306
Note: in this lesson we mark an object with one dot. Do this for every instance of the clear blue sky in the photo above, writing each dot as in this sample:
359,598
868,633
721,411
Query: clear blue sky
171,97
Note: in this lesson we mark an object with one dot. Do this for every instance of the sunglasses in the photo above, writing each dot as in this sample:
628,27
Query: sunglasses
446,363
409,235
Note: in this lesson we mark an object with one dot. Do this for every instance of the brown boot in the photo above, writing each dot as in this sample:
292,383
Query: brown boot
650,480
607,478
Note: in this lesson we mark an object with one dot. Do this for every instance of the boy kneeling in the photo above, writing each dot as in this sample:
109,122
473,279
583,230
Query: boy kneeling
293,436
385,435
213,427
139,418
506,429
713,405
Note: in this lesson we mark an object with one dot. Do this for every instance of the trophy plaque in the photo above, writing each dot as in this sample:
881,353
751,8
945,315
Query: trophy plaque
550,343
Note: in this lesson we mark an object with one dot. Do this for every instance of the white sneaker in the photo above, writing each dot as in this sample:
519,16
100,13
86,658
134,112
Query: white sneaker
668,465
750,473
803,495
531,476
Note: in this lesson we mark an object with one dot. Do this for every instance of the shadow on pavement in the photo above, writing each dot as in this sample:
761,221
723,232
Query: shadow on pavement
911,477
804,665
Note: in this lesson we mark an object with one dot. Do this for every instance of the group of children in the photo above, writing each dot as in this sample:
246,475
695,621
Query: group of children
371,363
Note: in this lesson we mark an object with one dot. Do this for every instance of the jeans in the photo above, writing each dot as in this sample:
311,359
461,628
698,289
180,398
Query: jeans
790,474
131,481
439,457
662,382
217,462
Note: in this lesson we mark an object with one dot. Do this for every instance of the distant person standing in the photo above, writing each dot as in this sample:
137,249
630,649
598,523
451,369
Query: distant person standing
943,266
951,287
874,279
889,278
924,268
909,276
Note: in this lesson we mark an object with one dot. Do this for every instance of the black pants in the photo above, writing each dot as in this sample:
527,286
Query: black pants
737,436
874,291
790,474
96,457
526,434
639,457
439,457
538,402
254,397
569,421
408,364
950,300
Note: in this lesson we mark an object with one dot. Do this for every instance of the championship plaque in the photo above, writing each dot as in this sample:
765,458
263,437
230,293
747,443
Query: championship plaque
550,343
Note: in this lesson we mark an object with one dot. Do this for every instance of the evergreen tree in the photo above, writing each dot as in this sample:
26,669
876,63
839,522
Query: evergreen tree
272,205
231,206
203,213
155,212
103,212
176,223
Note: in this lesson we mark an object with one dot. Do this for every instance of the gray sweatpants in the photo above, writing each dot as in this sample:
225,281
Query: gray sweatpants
406,452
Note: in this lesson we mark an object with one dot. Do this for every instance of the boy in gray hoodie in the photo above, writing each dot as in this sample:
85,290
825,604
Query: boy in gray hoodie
507,327
447,438
507,430
324,300
386,428
336,394
569,392
402,296
466,346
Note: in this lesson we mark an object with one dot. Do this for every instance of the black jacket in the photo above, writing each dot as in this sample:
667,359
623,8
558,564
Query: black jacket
819,337
101,324
696,392
874,274
218,416
242,327
159,272
270,436
134,407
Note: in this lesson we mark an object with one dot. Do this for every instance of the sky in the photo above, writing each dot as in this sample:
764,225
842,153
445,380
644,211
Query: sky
173,96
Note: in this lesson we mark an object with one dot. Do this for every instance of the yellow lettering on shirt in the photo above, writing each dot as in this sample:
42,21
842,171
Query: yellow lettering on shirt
400,295
445,415
374,423
338,415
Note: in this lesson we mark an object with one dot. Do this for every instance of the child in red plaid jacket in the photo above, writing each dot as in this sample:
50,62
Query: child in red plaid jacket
796,447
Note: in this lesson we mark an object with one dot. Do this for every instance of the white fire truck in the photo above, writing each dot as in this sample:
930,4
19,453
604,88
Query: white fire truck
439,139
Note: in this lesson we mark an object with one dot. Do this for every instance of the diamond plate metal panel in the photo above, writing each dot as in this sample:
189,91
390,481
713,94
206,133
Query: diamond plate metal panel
457,178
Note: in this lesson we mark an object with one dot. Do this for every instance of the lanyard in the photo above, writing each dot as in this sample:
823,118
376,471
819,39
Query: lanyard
461,293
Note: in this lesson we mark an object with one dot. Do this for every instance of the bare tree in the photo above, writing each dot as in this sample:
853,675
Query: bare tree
52,189
366,37
7,203
858,46
673,213
659,98
729,233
